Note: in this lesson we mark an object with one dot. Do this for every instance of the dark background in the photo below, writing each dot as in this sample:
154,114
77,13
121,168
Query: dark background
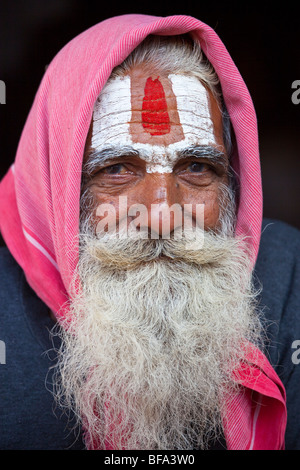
263,40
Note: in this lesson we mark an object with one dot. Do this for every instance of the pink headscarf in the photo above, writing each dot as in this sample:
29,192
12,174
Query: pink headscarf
39,212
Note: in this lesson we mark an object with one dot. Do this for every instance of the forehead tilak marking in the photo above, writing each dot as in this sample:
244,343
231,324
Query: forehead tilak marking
120,111
155,116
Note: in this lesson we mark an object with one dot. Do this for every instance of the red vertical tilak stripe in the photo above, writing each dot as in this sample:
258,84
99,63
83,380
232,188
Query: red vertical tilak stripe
155,116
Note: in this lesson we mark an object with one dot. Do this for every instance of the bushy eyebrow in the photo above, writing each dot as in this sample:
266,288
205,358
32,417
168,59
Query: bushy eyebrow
208,152
101,157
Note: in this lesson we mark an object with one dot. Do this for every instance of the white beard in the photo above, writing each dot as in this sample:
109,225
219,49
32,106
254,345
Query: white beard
147,360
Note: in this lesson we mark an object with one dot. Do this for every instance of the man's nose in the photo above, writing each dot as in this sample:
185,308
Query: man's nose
162,201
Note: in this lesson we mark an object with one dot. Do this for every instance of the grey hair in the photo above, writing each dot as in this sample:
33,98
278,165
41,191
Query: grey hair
178,55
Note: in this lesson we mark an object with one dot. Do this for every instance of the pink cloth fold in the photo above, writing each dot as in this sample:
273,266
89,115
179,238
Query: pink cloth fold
256,416
39,210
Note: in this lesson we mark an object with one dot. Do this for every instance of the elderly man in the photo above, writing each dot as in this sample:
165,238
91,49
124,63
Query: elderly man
132,218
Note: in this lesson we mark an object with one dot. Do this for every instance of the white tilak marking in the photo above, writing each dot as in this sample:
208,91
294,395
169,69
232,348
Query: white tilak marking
112,115
193,109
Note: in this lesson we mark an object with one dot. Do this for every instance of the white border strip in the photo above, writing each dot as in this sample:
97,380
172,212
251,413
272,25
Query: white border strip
255,417
40,248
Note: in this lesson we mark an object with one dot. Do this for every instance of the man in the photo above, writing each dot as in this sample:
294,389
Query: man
133,210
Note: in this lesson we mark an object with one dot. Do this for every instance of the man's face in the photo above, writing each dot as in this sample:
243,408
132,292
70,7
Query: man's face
158,327
158,139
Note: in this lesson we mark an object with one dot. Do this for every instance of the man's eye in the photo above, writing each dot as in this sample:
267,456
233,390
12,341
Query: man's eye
198,167
116,169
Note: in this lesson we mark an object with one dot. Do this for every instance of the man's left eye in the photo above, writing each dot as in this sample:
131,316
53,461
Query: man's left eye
197,167
114,169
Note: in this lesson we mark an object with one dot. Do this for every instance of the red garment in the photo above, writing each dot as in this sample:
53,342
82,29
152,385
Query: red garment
39,212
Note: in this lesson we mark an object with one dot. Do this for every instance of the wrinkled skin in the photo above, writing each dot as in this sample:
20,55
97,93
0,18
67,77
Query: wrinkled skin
191,181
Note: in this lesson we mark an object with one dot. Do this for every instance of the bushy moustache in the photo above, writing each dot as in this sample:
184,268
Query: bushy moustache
195,247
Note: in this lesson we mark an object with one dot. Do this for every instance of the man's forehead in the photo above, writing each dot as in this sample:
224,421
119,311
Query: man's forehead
154,119
153,112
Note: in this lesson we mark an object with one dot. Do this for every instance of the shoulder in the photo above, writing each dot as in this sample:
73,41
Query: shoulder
279,239
278,267
278,262
277,273
6,257
11,275
27,420
8,265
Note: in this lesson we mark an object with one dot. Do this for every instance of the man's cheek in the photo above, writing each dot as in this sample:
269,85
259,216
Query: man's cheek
204,203
111,215
105,218
209,202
